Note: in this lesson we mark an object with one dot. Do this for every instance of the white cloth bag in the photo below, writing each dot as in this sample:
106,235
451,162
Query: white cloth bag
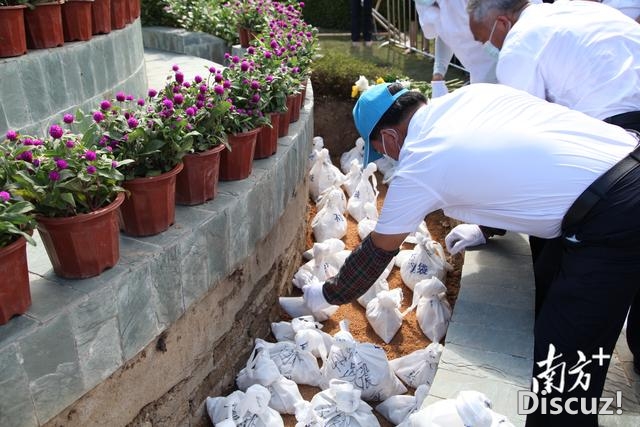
383,313
338,195
362,364
260,369
318,144
352,177
433,311
427,260
296,364
366,191
355,154
341,406
245,409
397,409
329,222
418,368
368,223
286,331
380,284
323,174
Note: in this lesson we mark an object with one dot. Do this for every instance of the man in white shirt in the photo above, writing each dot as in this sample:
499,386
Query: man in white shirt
583,55
448,22
494,155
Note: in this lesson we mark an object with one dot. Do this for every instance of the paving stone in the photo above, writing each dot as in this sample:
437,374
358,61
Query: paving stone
49,298
498,295
167,279
16,407
15,329
487,313
51,364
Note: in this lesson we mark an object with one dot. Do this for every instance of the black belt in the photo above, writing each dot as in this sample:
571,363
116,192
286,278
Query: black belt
599,188
629,120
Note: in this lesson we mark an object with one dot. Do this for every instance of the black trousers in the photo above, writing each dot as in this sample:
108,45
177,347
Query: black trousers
583,293
361,20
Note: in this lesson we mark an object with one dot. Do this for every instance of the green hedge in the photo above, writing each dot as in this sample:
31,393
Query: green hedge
328,14
152,14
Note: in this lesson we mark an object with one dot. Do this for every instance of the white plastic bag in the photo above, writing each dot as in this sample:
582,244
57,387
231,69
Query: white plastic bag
341,406
306,416
418,368
296,307
427,260
336,245
296,364
397,409
368,223
383,313
355,154
286,331
433,311
422,229
362,364
247,409
323,174
366,191
338,195
329,222
386,166
319,267
260,369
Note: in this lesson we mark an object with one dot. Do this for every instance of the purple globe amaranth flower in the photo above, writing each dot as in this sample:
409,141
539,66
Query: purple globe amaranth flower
197,79
127,115
152,93
168,104
91,169
105,105
90,155
244,66
54,176
212,70
235,59
255,98
27,141
199,104
70,144
121,97
114,164
251,50
226,84
227,55
4,196
218,78
175,67
98,116
140,102
255,85
132,122
129,97
186,84
178,98
191,111
176,89
37,142
179,77
202,88
12,135
269,78
56,131
67,118
36,162
61,164
27,156
218,89
267,54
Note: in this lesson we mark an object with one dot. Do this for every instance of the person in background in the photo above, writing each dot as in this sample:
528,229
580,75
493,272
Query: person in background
583,55
631,8
495,155
448,22
361,22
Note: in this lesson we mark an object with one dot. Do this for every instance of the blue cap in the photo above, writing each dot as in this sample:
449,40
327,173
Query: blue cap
369,109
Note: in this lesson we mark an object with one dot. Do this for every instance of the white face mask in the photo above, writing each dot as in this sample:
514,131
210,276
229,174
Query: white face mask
489,47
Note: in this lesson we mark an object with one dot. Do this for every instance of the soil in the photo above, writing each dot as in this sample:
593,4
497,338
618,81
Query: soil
410,337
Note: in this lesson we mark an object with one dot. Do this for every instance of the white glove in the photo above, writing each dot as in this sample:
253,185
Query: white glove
438,88
313,297
462,236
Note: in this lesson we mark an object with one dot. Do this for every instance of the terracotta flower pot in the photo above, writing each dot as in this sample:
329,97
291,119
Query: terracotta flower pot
134,9
76,20
285,118
101,17
119,14
83,245
13,38
237,163
198,181
150,208
243,34
15,295
295,107
304,89
267,142
43,26
128,8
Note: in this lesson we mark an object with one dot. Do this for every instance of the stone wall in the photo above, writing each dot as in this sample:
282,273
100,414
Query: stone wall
37,88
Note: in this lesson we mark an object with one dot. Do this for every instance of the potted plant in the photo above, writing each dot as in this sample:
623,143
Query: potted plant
154,135
76,191
77,20
251,18
202,103
101,17
43,24
12,31
16,225
119,14
245,117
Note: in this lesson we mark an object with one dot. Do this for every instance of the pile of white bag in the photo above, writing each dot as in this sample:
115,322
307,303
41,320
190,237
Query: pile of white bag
350,373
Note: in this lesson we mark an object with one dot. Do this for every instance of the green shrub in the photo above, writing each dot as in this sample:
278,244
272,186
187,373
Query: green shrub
153,14
328,14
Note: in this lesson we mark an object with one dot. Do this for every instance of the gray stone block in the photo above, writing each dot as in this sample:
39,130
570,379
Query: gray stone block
507,341
15,329
487,313
136,311
217,234
95,328
51,364
167,279
16,406
49,298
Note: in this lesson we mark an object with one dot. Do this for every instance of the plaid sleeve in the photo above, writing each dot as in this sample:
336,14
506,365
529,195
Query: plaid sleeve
359,272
